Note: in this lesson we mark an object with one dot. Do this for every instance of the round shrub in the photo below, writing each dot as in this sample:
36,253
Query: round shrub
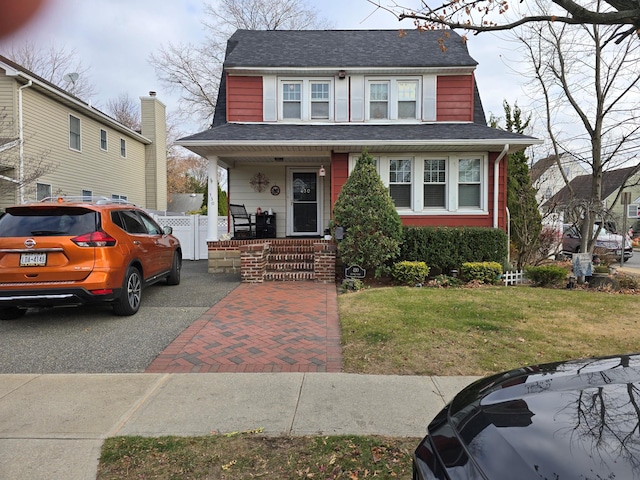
410,273
546,275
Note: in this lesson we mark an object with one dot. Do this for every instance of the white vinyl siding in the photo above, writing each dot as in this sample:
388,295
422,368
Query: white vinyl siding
47,135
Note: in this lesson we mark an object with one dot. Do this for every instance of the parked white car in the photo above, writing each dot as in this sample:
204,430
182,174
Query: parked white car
610,242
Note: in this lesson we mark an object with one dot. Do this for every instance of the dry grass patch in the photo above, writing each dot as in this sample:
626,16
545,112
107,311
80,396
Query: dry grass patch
250,456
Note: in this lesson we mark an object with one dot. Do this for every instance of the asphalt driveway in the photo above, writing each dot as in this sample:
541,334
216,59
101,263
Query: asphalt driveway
94,340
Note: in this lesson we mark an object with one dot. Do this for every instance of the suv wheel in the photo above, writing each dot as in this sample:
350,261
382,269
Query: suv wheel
12,313
174,274
129,301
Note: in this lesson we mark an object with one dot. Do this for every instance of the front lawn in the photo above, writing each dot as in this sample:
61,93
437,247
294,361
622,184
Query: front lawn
477,331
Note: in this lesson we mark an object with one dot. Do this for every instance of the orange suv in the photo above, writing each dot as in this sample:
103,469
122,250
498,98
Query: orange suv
72,251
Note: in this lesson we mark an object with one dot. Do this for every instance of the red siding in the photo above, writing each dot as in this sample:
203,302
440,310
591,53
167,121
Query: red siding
339,174
244,99
455,98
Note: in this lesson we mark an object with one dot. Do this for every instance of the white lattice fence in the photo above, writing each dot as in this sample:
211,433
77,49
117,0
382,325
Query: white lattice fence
514,278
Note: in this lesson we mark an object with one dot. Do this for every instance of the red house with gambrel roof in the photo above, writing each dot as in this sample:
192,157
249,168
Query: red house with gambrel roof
297,108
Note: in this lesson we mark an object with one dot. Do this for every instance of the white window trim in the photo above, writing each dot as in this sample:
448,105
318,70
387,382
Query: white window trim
50,194
106,140
393,98
417,183
447,181
125,147
305,101
79,149
387,164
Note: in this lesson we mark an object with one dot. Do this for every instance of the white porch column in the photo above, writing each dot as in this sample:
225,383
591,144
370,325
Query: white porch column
212,199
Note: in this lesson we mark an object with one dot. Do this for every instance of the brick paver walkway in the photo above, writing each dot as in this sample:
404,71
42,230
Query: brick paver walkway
269,327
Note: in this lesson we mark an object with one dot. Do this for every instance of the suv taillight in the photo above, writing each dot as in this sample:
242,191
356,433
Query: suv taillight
94,239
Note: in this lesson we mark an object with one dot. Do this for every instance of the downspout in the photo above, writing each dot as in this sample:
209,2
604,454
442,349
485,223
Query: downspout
496,178
21,142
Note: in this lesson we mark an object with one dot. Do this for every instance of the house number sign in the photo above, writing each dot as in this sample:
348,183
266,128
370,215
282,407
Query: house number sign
355,271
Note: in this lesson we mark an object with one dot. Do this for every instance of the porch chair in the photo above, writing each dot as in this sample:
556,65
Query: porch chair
243,224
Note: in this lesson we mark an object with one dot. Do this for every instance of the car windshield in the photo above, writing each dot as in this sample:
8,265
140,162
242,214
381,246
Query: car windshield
25,222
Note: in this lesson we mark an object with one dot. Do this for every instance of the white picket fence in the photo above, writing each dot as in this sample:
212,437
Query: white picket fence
514,278
191,230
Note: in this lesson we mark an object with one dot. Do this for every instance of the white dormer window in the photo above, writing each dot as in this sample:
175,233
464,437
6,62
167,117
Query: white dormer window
407,99
292,101
393,99
305,100
379,100
320,100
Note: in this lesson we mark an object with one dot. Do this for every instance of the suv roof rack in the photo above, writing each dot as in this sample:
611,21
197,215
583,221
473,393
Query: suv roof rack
97,200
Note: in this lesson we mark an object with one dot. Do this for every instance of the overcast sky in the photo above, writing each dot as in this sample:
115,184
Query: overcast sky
115,38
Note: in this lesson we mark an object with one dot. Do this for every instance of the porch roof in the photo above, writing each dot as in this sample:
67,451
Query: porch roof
250,139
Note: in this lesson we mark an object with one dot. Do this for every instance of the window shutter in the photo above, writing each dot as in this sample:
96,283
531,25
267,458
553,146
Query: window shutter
357,98
269,105
429,98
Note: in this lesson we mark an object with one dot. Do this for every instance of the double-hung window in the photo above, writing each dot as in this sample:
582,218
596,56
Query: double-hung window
74,133
319,100
103,139
469,182
43,190
407,99
292,100
435,183
379,100
123,148
400,182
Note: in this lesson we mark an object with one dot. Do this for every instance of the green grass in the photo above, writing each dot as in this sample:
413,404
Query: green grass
477,331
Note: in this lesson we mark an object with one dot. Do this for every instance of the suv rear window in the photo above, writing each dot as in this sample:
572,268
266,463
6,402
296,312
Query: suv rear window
38,222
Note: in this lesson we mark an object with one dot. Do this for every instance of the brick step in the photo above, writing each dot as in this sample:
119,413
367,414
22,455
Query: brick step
290,257
290,266
288,276
279,249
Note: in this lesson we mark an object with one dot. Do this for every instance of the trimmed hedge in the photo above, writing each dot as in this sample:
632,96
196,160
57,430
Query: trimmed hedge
446,248
410,273
546,275
483,272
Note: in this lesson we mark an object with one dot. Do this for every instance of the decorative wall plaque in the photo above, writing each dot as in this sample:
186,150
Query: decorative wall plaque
259,182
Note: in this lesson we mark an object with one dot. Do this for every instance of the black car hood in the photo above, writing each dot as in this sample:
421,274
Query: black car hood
570,420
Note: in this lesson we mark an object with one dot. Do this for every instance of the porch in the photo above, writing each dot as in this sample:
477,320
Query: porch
275,259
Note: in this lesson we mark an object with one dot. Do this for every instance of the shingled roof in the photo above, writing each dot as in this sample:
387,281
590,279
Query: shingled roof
345,49
612,180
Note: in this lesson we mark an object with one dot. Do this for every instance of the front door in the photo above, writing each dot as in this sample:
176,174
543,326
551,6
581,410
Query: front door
305,195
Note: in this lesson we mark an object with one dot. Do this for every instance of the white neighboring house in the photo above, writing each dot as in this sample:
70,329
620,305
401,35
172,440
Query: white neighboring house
546,176
82,150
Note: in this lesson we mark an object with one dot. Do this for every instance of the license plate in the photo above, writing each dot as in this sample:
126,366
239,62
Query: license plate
33,259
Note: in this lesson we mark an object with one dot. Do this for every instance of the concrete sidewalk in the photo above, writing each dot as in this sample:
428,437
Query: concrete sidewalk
52,426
